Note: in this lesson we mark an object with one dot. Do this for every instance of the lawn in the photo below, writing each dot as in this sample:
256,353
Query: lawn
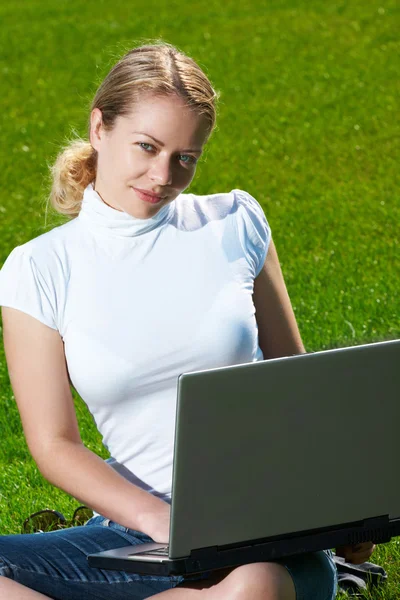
308,124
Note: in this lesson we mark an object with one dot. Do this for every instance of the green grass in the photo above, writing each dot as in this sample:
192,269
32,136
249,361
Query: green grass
308,124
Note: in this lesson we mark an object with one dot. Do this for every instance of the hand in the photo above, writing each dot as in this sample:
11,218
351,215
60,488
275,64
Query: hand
357,553
156,524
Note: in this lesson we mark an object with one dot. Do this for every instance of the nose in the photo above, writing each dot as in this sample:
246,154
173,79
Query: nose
161,171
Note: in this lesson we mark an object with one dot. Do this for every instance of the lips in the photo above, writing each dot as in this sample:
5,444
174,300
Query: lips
148,196
148,193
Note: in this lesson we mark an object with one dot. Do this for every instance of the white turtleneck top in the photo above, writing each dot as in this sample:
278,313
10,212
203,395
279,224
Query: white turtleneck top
137,302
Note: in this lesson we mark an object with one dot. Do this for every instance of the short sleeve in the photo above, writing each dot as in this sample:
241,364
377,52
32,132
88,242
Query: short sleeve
23,287
253,229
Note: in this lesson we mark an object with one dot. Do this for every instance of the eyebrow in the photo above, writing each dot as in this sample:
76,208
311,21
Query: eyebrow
161,143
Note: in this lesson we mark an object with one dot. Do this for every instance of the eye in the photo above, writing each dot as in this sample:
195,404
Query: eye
141,144
192,159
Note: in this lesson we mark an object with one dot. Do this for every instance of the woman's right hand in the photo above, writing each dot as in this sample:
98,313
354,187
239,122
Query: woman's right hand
156,524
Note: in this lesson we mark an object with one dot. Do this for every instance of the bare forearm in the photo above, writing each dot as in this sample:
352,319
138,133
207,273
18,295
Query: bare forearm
81,473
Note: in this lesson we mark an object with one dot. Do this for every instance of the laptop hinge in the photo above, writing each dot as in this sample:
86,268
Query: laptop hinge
375,528
209,552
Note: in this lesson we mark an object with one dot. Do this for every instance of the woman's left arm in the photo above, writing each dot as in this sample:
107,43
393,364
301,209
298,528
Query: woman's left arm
279,335
278,332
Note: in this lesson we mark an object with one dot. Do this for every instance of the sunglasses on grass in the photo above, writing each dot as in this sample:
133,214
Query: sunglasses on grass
50,520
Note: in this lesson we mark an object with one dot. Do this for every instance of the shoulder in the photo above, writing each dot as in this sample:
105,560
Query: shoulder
217,206
38,271
46,248
236,216
196,210
35,275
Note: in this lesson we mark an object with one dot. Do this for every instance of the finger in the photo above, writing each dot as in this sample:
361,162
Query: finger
361,557
363,547
359,560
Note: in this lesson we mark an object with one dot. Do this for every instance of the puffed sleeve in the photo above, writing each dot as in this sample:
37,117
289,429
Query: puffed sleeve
253,229
23,287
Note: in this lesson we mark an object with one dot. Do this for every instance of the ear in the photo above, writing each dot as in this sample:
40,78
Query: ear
96,128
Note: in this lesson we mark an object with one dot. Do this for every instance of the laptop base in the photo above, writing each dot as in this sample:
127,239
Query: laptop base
378,530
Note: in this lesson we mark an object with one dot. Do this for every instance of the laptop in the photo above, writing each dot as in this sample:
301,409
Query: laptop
279,457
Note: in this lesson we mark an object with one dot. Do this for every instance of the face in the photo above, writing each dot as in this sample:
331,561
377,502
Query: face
154,150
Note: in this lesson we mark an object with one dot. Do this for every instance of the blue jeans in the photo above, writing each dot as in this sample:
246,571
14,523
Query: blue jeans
55,564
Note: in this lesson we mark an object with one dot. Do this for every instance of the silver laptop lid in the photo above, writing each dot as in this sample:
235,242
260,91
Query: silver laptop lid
286,445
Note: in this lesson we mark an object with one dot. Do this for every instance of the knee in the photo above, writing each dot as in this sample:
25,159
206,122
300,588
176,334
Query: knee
5,566
263,581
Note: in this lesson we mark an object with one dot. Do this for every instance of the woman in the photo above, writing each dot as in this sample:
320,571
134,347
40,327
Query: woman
143,283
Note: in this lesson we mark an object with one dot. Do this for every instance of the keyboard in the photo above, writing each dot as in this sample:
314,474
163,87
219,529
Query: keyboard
163,551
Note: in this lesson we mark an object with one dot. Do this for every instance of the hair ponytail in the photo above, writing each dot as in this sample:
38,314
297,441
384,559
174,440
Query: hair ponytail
73,170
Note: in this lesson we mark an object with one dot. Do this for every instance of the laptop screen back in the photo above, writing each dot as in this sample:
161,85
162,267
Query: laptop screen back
285,445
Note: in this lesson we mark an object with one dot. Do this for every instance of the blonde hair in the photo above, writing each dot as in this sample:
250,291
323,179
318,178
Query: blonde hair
158,68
